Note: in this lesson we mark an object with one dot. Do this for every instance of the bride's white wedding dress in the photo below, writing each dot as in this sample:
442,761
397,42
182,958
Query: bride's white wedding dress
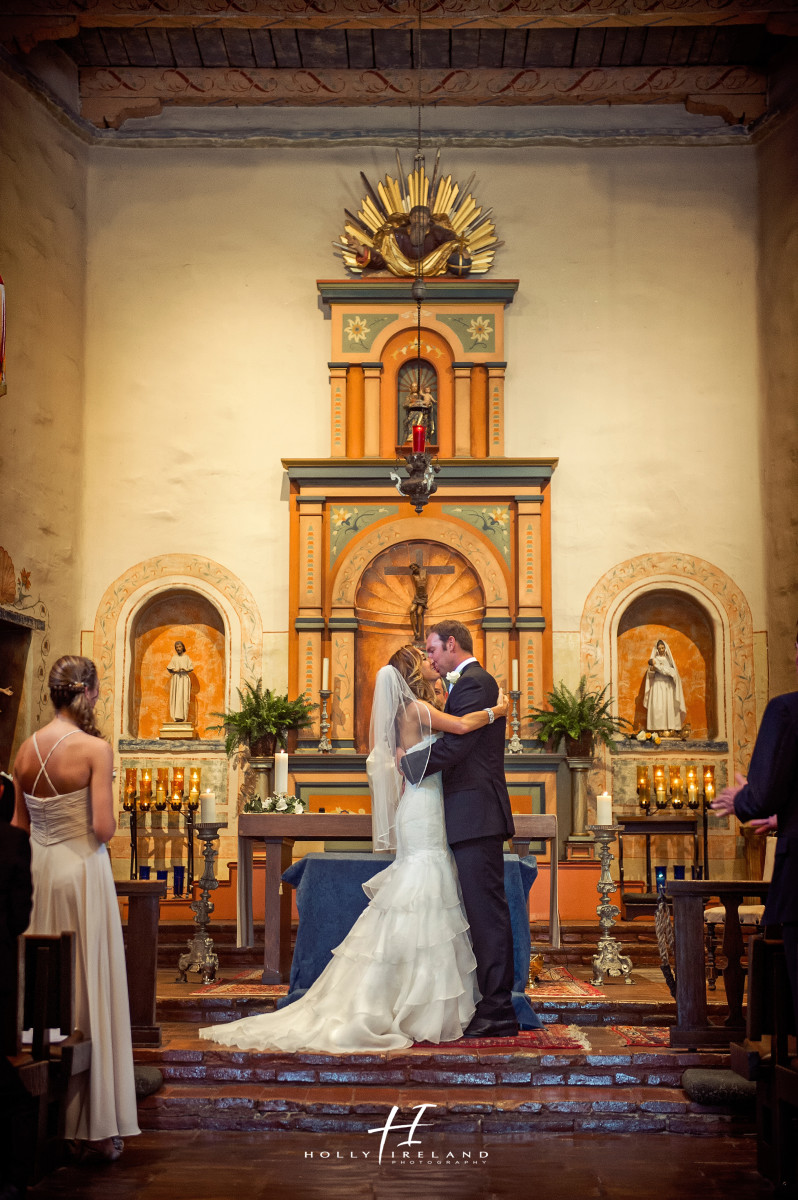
404,973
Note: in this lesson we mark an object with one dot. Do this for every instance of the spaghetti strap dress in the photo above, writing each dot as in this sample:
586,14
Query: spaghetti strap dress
74,890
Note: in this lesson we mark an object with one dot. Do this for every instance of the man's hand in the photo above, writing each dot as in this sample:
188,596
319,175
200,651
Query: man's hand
724,801
763,824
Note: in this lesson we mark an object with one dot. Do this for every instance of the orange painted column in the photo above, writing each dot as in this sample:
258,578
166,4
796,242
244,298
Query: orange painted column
479,412
496,409
355,412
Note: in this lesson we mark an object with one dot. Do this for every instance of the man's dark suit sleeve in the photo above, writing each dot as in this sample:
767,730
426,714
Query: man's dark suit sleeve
468,696
773,773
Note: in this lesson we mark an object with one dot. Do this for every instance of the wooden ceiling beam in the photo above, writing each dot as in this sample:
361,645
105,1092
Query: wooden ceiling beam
28,15
110,96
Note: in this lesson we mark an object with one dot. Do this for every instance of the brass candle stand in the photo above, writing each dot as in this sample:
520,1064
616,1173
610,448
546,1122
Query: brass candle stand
609,960
201,956
325,745
514,745
129,806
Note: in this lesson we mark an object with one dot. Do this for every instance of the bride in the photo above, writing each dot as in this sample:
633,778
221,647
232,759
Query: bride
405,972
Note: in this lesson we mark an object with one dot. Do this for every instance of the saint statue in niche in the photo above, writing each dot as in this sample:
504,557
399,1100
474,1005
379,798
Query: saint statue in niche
663,697
180,669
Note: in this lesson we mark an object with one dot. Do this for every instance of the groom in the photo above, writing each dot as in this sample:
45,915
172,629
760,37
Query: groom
478,820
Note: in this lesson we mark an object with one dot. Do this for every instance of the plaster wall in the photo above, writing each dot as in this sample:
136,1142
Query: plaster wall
778,466
632,350
42,261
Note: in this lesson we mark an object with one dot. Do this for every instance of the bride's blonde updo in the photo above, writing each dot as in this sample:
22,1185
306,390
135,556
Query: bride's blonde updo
71,680
408,661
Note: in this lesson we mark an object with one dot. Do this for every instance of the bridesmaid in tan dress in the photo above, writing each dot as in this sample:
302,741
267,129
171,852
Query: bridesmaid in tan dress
62,782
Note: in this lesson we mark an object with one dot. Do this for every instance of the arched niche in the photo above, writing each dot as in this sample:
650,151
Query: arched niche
684,623
434,350
176,614
382,604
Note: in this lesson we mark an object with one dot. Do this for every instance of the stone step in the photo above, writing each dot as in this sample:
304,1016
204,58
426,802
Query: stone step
620,1008
578,938
343,1107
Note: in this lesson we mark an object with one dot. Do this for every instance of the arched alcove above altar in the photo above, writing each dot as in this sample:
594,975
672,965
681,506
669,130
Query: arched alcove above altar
382,604
176,614
686,627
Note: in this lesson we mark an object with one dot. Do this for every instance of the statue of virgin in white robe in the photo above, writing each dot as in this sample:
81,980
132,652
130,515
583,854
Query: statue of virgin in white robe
663,697
180,669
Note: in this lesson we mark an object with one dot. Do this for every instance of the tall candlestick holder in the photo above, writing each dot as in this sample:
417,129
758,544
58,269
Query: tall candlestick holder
325,745
609,960
201,956
129,806
514,745
191,820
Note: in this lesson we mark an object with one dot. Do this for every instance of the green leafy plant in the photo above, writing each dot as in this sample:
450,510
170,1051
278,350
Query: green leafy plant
580,716
263,720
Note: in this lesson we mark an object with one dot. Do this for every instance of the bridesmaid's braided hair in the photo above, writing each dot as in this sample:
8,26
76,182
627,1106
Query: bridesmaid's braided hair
407,661
71,679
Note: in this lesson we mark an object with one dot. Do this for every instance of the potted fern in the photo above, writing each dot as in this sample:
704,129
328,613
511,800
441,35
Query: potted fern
262,721
580,717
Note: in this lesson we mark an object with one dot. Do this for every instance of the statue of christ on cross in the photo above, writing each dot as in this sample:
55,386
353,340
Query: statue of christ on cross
419,572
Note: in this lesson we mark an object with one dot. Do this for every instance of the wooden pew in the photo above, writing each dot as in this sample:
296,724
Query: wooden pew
47,988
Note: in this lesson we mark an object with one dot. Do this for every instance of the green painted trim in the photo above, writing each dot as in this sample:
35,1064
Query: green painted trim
463,364
372,365
311,499
496,623
374,472
342,623
530,623
528,499
389,291
308,623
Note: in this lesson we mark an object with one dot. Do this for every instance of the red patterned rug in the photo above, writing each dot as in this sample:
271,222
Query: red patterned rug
552,1037
556,983
643,1035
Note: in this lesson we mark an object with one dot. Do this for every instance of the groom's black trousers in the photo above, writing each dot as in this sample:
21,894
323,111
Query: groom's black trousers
480,867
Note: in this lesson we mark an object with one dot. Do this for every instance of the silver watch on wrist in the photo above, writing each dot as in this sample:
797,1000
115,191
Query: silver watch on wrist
491,715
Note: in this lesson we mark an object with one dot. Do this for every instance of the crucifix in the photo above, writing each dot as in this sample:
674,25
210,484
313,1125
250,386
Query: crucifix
419,572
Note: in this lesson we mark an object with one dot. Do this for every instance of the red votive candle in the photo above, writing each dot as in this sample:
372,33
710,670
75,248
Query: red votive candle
419,439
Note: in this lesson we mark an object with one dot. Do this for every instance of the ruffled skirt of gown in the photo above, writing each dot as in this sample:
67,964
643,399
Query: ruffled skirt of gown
404,973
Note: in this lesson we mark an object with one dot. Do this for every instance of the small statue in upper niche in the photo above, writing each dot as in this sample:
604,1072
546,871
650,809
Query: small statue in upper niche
663,697
180,669
419,410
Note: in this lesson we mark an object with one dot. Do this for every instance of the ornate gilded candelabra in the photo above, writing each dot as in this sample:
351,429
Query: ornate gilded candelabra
514,745
325,745
609,960
201,955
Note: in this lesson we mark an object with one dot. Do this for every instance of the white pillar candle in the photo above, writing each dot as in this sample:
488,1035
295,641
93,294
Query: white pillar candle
604,809
325,675
207,807
515,675
281,772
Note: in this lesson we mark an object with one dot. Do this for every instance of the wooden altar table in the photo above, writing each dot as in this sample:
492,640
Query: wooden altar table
278,833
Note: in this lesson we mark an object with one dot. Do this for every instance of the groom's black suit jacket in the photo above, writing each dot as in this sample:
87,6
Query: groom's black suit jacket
475,796
772,788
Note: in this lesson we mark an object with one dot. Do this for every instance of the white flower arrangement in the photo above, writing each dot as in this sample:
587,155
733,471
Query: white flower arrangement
275,804
645,736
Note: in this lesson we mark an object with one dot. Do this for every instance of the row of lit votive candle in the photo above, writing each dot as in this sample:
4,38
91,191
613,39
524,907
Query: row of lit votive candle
166,792
677,791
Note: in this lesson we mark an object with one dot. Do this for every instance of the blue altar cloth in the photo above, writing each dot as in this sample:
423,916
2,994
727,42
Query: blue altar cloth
330,898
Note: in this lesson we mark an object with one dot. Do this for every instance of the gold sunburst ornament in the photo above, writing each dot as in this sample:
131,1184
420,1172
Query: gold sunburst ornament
415,226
